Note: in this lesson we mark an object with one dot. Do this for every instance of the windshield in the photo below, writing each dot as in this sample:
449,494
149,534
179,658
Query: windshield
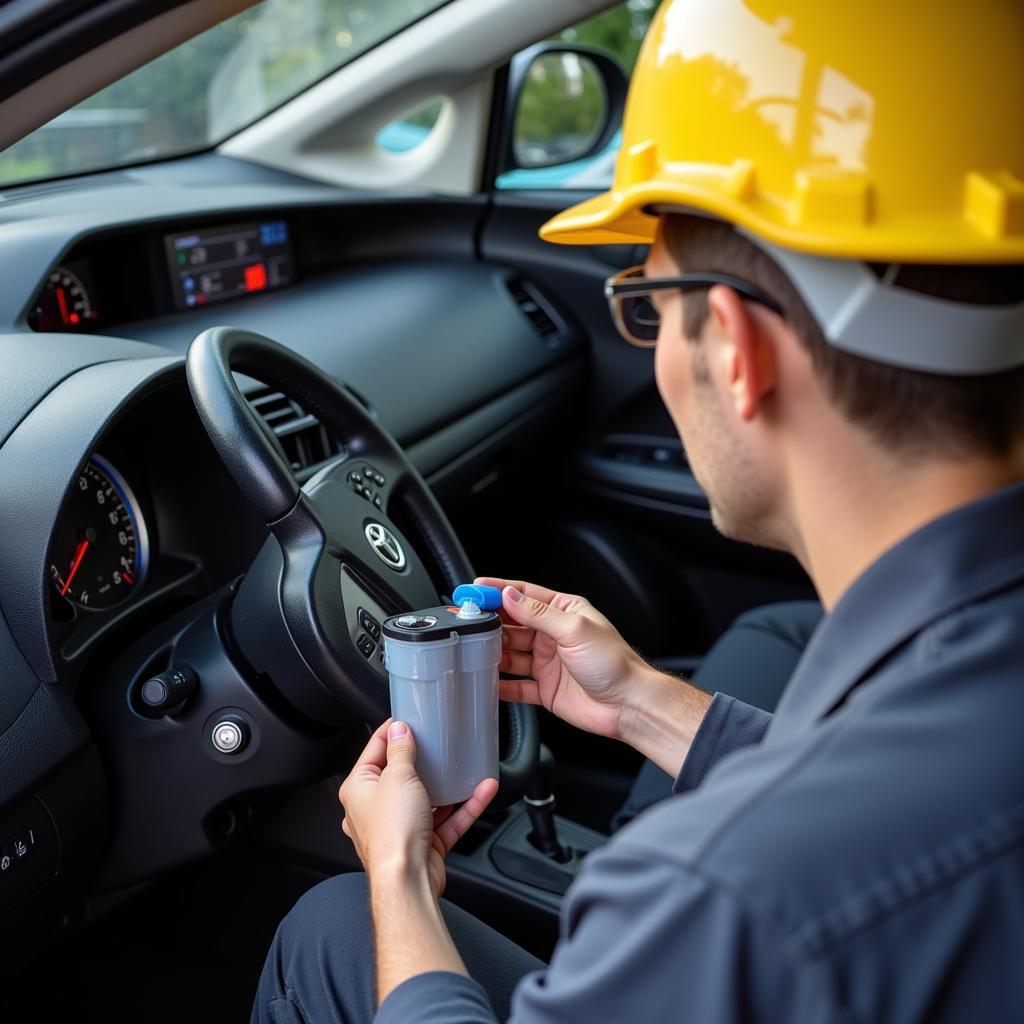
199,93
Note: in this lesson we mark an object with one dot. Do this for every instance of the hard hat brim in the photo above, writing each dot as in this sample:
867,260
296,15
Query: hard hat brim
601,221
624,217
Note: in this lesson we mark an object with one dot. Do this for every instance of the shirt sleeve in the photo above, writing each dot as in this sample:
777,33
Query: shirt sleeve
649,940
437,997
643,940
728,725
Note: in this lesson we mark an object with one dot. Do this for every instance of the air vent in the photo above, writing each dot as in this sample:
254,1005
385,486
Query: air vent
535,309
306,443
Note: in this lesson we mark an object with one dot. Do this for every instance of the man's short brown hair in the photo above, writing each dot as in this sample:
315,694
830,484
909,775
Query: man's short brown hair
917,414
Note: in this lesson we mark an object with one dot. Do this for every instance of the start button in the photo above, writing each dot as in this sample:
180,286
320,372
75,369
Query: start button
230,735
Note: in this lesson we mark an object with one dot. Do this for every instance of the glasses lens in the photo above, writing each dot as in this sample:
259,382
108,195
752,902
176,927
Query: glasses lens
640,318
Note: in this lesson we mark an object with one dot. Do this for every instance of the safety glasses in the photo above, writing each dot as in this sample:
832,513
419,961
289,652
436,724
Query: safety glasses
634,313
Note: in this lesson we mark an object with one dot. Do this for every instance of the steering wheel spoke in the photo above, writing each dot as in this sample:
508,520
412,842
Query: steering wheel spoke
359,534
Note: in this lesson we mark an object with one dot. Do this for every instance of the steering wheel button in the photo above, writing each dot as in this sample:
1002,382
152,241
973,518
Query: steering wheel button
366,645
369,623
356,478
229,736
23,843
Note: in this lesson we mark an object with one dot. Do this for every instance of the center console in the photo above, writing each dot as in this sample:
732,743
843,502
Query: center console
506,870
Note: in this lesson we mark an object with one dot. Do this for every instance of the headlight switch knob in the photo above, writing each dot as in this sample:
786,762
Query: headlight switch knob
168,692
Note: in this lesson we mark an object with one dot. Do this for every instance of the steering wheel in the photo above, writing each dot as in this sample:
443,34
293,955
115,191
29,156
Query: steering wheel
339,554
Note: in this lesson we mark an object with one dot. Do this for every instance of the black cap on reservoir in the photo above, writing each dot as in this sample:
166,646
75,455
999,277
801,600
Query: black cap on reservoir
438,624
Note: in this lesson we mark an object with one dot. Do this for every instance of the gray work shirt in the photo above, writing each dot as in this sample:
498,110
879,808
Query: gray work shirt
855,857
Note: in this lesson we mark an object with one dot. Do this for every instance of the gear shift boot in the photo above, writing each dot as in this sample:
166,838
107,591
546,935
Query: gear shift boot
516,856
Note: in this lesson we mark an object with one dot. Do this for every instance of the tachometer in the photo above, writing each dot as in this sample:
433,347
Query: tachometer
65,303
100,548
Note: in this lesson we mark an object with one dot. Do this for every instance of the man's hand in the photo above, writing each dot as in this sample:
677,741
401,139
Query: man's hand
582,670
388,815
402,845
580,667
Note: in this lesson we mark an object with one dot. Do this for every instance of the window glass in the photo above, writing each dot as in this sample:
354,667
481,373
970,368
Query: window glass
204,90
408,132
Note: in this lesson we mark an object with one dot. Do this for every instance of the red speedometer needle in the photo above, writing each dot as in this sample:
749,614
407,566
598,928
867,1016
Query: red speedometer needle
83,546
63,303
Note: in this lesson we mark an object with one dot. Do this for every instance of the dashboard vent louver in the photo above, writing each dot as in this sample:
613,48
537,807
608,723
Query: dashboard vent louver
306,443
536,311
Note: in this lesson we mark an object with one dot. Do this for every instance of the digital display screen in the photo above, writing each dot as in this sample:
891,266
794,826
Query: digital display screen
216,264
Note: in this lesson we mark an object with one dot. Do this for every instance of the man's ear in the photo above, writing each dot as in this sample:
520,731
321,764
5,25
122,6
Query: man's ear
748,350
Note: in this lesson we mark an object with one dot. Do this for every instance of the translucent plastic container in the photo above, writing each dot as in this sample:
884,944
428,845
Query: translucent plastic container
443,675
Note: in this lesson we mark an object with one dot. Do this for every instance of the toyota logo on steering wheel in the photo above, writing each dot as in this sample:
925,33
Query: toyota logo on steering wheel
385,546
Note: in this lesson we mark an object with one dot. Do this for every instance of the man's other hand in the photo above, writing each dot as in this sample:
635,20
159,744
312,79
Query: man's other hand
388,815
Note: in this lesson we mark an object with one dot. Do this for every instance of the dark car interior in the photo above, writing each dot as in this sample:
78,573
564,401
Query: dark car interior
464,353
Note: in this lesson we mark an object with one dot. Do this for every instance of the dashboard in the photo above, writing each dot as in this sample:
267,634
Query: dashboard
120,519
144,529
110,279
192,267
132,265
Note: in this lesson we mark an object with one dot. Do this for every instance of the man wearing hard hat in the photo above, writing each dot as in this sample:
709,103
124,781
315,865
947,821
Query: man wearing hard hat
834,198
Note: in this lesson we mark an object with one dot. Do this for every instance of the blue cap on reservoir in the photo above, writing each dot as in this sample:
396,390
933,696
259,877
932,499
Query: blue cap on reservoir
485,598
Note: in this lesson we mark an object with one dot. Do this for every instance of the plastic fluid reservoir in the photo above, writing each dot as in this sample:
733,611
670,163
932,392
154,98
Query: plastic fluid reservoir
443,673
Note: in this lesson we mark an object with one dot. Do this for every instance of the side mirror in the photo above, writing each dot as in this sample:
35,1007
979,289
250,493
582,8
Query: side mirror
564,103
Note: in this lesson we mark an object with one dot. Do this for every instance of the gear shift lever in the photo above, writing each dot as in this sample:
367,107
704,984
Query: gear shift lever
540,806
526,847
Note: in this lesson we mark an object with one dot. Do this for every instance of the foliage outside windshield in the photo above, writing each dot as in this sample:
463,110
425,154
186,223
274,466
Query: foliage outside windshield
209,87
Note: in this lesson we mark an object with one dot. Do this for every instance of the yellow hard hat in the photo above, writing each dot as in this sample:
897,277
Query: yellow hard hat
883,130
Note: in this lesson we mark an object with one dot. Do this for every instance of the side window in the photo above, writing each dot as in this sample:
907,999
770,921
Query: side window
619,32
409,131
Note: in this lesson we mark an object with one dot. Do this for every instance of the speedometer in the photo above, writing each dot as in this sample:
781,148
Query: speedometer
65,303
100,548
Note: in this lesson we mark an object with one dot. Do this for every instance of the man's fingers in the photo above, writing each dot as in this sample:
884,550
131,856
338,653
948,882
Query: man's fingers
376,749
517,663
529,589
459,822
370,762
545,618
441,815
401,747
519,691
517,638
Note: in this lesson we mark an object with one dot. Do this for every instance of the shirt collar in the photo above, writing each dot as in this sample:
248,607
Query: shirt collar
952,561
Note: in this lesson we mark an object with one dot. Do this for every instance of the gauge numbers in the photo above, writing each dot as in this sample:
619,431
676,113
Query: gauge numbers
100,545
